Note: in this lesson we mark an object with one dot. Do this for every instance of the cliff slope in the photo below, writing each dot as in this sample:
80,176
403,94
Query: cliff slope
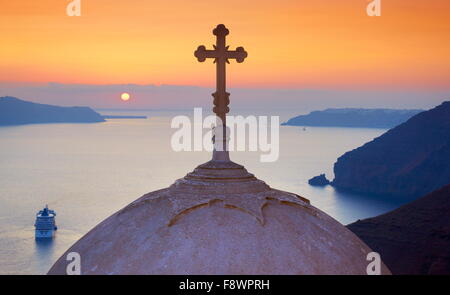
413,239
408,161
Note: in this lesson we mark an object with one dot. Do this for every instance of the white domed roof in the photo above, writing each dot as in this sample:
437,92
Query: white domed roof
219,219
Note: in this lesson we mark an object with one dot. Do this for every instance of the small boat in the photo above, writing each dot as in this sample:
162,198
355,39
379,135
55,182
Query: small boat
45,226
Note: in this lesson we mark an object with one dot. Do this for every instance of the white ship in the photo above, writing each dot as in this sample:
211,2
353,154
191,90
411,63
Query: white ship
45,226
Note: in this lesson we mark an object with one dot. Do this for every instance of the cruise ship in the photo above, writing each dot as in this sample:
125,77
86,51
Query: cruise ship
45,225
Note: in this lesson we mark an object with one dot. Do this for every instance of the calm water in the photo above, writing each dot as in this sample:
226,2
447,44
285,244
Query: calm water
86,172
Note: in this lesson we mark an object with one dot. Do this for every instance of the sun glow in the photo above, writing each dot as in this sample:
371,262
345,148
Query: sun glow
125,96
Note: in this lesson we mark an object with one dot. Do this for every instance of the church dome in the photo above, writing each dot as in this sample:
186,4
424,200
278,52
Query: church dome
219,219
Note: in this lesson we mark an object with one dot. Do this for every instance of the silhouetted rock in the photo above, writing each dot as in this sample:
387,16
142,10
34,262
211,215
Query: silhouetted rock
320,180
413,239
408,161
14,111
348,117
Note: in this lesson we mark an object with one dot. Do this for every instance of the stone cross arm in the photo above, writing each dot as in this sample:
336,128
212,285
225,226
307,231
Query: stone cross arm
220,52
202,54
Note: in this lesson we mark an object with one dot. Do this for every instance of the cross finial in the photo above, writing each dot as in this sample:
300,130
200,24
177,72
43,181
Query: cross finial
221,56
221,30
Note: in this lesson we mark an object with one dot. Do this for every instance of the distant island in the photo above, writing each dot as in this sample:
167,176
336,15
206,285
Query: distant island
408,161
350,117
123,117
14,111
413,239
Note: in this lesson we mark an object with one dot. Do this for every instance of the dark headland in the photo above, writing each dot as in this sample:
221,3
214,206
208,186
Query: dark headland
14,111
349,117
413,239
408,161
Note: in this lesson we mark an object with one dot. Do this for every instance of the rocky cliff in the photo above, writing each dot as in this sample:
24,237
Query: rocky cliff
408,161
14,111
413,239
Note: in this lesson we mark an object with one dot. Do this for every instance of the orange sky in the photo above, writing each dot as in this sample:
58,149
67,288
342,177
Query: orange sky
291,43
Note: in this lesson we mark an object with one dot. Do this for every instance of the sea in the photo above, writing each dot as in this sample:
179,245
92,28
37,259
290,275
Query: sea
86,172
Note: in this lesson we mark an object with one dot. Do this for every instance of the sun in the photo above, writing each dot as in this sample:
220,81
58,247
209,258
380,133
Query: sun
125,96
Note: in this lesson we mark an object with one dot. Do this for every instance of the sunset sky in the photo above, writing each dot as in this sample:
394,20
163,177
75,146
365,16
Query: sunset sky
295,44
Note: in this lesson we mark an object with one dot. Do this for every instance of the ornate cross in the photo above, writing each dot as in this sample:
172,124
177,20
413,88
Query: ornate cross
221,55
